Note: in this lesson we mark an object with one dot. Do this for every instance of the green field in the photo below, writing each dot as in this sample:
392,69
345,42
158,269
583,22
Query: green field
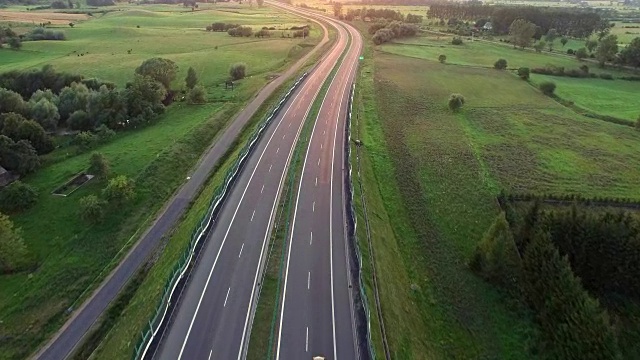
73,257
431,177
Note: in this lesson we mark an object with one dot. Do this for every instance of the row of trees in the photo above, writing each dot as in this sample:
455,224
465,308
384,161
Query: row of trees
383,32
569,22
543,259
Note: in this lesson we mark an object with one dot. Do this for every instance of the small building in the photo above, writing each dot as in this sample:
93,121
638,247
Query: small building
6,177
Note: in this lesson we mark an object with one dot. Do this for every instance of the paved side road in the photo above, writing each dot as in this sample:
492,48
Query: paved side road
70,335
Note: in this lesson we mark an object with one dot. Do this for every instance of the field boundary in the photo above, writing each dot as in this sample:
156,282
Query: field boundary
178,279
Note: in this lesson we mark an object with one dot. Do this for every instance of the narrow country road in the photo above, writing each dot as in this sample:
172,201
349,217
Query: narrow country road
73,331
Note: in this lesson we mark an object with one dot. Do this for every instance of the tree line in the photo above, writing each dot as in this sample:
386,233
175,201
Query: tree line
558,262
386,31
570,22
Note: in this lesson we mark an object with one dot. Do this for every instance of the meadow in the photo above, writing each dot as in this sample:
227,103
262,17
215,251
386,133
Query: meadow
73,256
431,177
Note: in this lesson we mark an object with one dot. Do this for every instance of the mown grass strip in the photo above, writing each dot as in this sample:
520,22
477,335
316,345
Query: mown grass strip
261,344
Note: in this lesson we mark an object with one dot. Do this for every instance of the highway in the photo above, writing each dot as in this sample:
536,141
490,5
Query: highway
316,315
214,317
83,317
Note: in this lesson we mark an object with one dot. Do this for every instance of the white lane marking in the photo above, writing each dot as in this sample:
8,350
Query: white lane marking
224,239
252,215
277,150
311,239
226,298
262,189
316,181
283,136
306,346
242,247
289,124
309,281
313,209
323,132
295,213
318,162
320,145
270,167
270,224
210,352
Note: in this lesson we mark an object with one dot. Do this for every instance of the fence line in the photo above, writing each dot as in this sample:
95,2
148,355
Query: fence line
181,268
376,293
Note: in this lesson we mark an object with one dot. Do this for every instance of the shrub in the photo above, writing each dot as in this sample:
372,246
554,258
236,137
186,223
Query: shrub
456,41
442,58
104,133
581,53
501,64
119,189
91,209
79,120
524,73
15,43
85,140
237,71
548,88
455,102
13,252
197,95
17,196
606,76
99,166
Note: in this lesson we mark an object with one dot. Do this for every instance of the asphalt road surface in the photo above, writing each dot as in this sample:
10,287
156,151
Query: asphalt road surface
316,315
215,313
70,335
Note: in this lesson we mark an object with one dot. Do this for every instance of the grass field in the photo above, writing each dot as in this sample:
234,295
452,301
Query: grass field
614,98
431,177
73,257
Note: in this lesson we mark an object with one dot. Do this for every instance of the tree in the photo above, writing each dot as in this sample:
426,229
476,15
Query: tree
107,107
79,120
501,64
237,71
631,54
34,133
551,37
18,156
11,102
564,41
523,73
72,98
548,87
456,41
144,99
442,58
13,251
581,53
46,114
99,166
197,95
44,94
91,209
15,43
191,80
337,9
521,32
455,102
591,45
161,70
17,196
607,49
119,189
539,46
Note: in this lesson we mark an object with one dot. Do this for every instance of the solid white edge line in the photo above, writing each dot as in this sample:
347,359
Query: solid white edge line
295,213
228,229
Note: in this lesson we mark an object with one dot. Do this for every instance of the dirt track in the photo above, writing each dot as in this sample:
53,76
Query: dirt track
40,17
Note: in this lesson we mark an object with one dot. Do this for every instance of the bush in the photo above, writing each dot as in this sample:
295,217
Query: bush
104,133
85,140
17,196
13,252
197,95
606,76
581,53
237,71
548,88
524,73
79,120
99,166
501,64
119,189
455,102
442,58
91,209
456,41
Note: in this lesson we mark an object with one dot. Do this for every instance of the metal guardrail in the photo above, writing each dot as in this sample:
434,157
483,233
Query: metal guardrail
182,267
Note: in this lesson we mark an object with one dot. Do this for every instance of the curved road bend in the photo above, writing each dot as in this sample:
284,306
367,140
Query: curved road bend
70,335
316,317
215,314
